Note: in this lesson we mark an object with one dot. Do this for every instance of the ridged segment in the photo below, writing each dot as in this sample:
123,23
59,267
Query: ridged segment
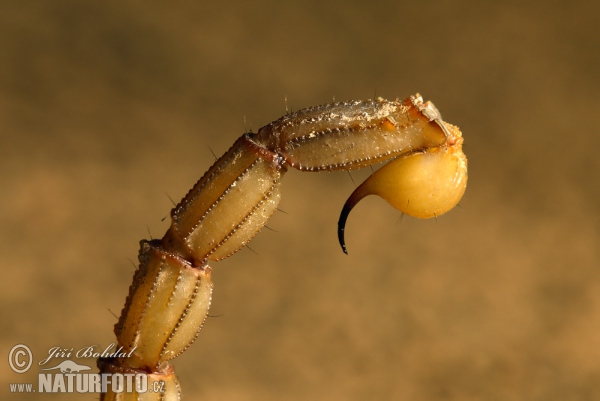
229,205
201,198
171,291
351,135
166,307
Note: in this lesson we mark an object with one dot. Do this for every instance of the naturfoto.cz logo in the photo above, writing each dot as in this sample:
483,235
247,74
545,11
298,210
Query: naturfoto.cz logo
67,376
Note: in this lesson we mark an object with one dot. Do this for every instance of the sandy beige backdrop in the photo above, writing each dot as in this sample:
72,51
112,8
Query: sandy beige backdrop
108,108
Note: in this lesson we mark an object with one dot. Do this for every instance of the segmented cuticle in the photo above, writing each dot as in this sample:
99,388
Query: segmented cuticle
220,198
182,317
338,136
266,197
206,178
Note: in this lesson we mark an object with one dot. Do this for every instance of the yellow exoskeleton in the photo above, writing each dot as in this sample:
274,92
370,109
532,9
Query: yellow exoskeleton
171,291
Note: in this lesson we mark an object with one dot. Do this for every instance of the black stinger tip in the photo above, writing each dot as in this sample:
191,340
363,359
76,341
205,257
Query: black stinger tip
342,226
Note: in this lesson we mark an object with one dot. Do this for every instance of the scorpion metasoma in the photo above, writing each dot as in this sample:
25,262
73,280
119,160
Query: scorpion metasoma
170,295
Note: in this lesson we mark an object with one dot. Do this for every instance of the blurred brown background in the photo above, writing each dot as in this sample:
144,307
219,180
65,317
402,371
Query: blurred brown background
107,107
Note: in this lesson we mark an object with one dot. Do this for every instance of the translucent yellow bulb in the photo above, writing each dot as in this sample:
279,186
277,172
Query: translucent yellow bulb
423,184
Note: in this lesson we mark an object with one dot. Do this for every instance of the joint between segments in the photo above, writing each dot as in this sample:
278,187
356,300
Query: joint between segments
159,246
276,158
